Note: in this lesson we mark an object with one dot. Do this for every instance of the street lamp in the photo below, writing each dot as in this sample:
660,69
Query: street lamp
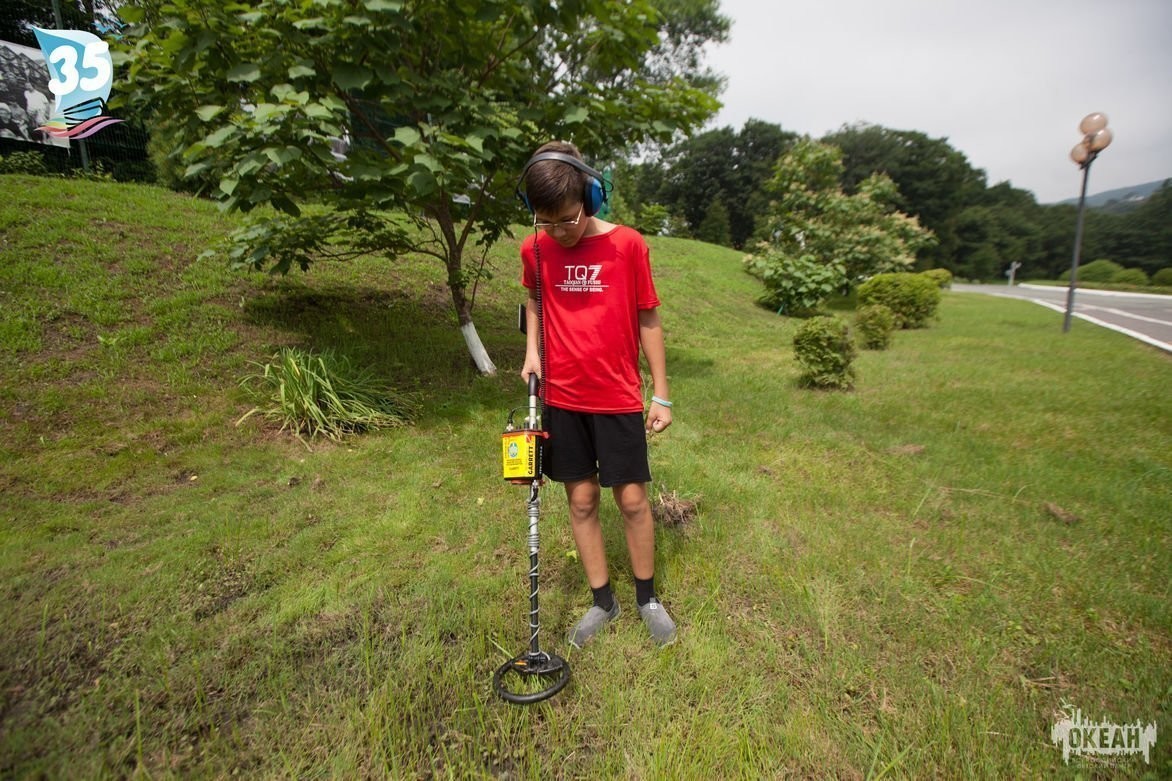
1096,137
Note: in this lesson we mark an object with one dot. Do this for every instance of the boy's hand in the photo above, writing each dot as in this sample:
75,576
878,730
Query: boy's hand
658,418
532,366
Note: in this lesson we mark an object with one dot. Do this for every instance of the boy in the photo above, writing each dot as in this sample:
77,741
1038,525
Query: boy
598,308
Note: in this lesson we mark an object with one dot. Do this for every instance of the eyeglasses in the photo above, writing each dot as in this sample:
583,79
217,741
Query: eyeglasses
563,225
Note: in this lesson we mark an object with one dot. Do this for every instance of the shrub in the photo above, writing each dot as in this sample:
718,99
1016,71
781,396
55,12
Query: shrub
794,286
32,163
1163,277
1095,271
875,324
324,394
941,276
824,350
1130,276
913,298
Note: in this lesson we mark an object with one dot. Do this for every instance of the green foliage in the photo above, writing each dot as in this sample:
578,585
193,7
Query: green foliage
654,220
714,228
825,351
809,214
913,298
1163,277
1130,276
875,324
941,276
935,181
1095,271
440,103
315,394
29,163
794,285
726,167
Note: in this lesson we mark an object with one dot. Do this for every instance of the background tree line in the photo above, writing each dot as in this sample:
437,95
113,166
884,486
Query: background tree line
713,187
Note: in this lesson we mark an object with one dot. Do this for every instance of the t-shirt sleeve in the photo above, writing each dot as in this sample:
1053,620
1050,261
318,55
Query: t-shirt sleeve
528,266
645,295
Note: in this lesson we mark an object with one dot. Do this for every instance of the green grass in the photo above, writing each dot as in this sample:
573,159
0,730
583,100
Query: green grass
873,587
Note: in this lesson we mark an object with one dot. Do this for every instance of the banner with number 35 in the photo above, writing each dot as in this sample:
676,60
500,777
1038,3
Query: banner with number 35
81,74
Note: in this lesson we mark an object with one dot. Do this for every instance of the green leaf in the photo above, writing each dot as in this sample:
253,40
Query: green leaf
352,77
422,182
576,115
407,136
384,5
245,71
218,138
429,162
228,184
304,68
207,113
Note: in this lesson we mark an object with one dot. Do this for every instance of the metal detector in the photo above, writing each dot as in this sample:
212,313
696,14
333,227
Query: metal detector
515,680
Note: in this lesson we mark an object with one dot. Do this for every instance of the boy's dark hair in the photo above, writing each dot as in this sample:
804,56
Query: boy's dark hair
550,184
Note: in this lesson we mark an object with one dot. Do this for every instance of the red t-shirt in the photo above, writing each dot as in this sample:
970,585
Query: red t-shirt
591,295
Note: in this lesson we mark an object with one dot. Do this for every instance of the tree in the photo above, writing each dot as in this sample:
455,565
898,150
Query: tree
714,228
727,166
441,104
812,225
935,182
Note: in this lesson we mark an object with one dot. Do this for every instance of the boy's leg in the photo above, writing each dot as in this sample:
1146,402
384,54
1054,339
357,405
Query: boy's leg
640,530
583,497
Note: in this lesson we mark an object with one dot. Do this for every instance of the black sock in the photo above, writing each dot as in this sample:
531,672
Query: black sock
644,590
603,597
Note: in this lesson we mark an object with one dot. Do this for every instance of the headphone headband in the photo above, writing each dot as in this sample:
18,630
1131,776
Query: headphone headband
596,185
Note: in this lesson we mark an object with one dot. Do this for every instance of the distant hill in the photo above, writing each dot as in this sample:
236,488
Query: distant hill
1120,199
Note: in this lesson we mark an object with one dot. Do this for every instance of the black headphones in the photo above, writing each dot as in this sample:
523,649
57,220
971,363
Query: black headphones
593,195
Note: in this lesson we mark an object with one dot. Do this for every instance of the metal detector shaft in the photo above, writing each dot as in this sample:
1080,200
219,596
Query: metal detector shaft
534,511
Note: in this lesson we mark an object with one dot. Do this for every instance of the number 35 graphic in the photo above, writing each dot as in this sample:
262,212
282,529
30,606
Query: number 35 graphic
95,58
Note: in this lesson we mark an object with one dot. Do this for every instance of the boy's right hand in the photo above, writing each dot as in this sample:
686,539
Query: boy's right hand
532,366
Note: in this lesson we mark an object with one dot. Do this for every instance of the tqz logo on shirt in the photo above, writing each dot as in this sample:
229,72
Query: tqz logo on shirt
582,279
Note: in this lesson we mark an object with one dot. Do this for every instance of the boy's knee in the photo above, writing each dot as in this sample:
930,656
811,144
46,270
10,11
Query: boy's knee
633,503
583,500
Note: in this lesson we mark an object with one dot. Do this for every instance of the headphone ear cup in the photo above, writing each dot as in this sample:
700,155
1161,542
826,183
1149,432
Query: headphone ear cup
593,197
525,200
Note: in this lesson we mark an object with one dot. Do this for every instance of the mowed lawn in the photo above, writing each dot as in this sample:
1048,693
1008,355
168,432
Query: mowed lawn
914,579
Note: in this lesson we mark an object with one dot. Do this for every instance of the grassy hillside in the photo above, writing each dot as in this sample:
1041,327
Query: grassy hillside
910,580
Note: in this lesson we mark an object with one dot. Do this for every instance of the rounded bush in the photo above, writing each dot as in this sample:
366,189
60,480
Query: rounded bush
1130,276
875,324
912,297
31,163
1095,271
824,350
941,276
1163,277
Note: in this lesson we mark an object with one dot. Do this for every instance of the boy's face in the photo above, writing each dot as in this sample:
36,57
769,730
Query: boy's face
565,224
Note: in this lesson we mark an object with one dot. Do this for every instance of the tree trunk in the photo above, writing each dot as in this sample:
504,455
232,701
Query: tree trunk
460,300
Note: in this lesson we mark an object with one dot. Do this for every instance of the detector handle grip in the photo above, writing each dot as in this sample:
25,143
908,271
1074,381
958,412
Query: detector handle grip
534,384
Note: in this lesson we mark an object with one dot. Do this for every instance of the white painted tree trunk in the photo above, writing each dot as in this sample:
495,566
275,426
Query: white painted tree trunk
476,349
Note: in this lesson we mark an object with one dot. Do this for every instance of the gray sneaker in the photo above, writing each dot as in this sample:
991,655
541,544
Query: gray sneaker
659,623
590,625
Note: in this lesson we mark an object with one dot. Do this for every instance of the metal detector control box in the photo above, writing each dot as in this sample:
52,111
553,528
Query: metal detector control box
521,454
521,447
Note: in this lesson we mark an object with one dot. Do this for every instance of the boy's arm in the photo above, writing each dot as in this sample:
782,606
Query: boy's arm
532,356
651,340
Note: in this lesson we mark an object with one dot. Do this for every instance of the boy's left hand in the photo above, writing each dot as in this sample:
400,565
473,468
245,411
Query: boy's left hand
658,418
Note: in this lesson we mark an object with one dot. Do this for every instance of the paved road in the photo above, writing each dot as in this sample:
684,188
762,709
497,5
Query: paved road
1139,315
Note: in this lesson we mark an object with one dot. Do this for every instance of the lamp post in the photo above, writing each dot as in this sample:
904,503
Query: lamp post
1096,138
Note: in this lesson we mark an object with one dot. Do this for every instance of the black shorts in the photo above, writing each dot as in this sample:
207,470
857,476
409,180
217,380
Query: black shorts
584,444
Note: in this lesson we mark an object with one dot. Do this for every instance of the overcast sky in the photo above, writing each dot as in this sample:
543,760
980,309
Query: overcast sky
1005,81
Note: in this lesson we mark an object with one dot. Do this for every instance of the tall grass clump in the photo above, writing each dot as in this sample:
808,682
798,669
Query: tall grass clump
323,393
